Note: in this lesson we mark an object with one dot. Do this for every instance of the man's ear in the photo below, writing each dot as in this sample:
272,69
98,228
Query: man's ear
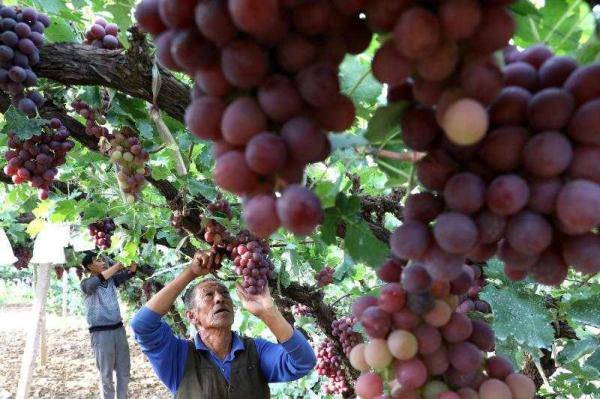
190,316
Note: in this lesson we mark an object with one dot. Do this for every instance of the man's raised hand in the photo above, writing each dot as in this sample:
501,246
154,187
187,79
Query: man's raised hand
259,305
204,262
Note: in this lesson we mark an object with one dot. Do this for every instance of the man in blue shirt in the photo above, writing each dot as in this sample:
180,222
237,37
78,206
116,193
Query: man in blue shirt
218,363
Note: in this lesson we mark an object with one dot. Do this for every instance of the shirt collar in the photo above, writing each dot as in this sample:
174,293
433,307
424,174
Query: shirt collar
236,344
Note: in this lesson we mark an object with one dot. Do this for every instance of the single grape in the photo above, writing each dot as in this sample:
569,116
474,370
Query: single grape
411,240
465,122
299,210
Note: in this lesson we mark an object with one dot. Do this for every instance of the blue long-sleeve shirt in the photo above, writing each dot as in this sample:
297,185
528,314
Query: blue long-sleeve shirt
168,354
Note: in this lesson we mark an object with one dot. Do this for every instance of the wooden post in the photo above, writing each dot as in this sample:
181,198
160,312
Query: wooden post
33,335
65,291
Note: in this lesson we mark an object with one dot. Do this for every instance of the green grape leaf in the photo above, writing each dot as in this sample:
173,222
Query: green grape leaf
520,315
60,31
358,82
385,123
328,230
585,309
363,246
23,127
65,210
594,361
574,349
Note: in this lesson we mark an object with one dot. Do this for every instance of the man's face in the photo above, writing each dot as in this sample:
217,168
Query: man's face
213,307
97,266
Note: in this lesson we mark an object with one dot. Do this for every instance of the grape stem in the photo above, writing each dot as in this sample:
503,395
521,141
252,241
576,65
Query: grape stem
409,156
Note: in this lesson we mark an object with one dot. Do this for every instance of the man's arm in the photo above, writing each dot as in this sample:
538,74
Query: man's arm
91,284
293,357
167,353
163,300
123,275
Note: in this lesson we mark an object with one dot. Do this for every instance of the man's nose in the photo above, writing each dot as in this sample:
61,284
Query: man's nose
219,298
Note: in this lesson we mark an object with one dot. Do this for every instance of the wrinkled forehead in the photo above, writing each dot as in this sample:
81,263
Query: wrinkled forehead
211,286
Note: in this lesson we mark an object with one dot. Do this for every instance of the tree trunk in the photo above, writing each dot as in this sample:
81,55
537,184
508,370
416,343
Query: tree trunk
33,335
65,291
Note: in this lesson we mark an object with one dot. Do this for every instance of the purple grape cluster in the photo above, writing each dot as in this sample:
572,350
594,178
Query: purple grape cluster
59,271
267,91
252,263
301,310
325,277
329,364
94,119
21,33
419,333
103,35
23,255
525,189
220,206
36,159
102,232
343,329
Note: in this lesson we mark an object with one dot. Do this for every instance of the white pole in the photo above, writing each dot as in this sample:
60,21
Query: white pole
65,289
33,335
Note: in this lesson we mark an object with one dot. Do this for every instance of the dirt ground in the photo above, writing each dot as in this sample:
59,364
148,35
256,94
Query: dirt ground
70,371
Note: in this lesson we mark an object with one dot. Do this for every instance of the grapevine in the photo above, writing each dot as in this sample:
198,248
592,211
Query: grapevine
21,34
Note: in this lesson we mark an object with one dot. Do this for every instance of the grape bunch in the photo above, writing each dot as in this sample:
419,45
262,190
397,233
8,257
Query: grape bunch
439,57
94,119
325,277
253,264
59,271
431,349
220,206
36,159
103,35
21,33
329,364
215,233
147,289
177,221
150,287
127,152
343,330
266,92
102,232
527,190
301,310
23,255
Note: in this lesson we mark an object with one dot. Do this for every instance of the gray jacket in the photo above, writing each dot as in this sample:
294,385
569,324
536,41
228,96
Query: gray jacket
101,299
